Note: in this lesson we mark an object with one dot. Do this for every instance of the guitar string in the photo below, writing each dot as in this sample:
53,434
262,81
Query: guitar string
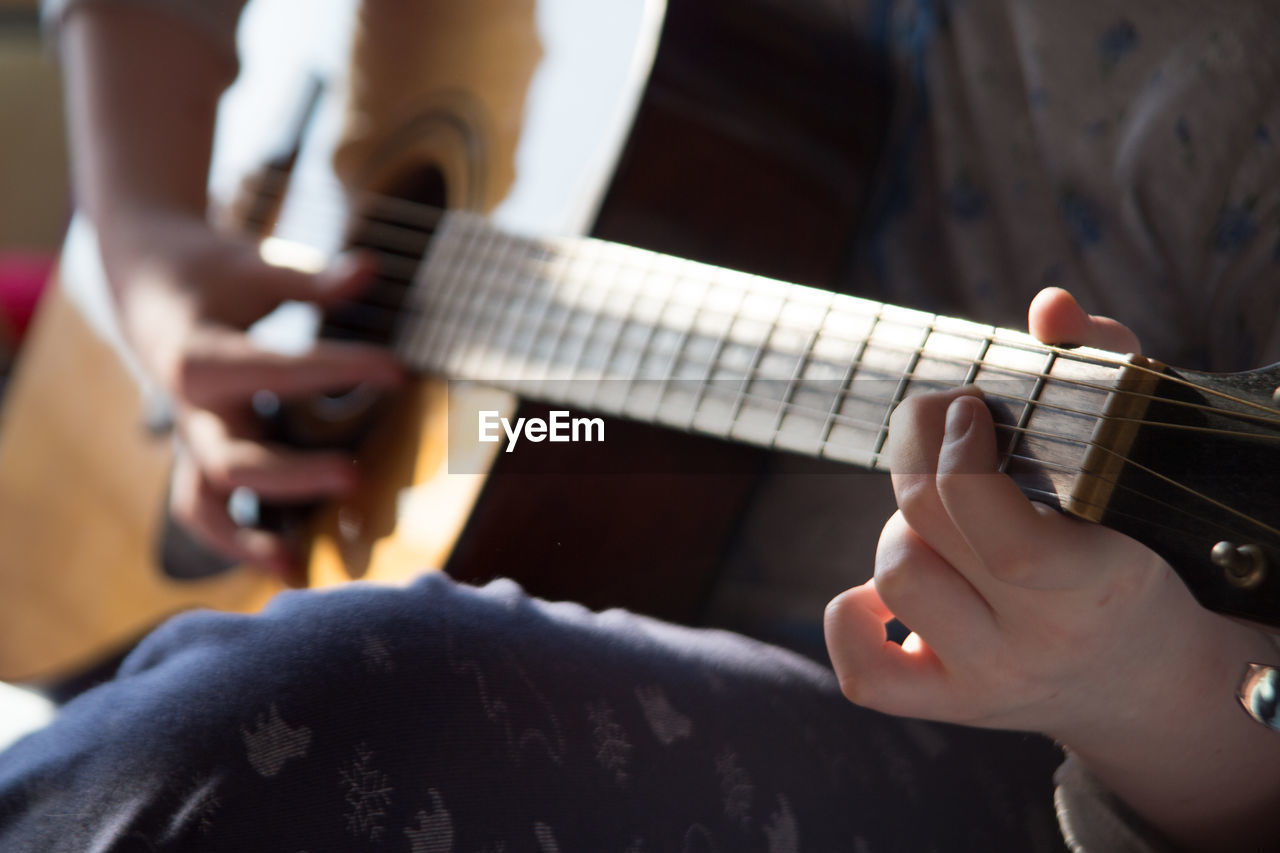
424,215
1109,508
1263,414
875,426
1176,484
435,215
784,407
991,367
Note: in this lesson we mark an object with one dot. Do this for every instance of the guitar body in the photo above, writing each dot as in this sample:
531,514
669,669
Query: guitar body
683,129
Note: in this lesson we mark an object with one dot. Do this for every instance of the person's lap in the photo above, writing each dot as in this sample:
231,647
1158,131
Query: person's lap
445,717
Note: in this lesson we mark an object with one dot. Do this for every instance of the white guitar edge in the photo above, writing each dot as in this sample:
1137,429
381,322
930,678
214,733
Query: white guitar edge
582,104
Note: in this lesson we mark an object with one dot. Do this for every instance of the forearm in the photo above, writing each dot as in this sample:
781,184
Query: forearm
1189,760
142,92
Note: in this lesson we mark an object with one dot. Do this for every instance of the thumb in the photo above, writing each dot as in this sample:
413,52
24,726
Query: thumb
1005,531
969,439
1055,317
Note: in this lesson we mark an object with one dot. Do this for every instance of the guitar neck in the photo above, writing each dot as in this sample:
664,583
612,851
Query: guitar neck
628,332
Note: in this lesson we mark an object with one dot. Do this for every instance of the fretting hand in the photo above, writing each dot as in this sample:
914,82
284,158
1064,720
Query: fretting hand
1024,618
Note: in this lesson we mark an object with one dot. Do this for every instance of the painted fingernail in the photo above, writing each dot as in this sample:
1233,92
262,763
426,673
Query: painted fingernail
959,418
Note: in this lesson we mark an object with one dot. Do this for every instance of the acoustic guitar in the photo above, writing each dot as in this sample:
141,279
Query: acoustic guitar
473,172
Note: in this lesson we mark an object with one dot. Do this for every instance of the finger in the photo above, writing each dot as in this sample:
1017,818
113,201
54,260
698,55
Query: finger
1012,538
915,436
201,508
346,277
1056,318
874,672
276,473
930,596
221,367
261,286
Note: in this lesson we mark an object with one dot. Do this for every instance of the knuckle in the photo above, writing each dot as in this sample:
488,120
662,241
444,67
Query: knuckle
904,420
897,579
898,561
916,494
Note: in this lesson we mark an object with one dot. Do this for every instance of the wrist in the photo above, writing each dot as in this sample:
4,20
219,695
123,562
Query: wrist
1187,757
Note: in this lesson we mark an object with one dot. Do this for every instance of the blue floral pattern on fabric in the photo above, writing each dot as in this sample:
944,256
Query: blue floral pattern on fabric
1235,228
1082,216
965,200
1117,41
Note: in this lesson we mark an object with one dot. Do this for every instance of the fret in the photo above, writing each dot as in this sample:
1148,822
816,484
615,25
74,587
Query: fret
780,368
1059,429
583,373
498,363
655,338
527,316
835,438
439,283
466,299
659,354
450,288
487,310
950,355
877,385
696,359
474,356
657,341
618,300
545,368
971,375
543,309
900,392
1027,406
838,342
754,323
624,298
1008,377
563,323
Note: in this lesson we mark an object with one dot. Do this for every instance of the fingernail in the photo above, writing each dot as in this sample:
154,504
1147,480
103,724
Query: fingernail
959,419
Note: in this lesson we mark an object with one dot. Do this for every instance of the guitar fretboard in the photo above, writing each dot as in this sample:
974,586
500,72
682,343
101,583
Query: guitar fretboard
622,331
